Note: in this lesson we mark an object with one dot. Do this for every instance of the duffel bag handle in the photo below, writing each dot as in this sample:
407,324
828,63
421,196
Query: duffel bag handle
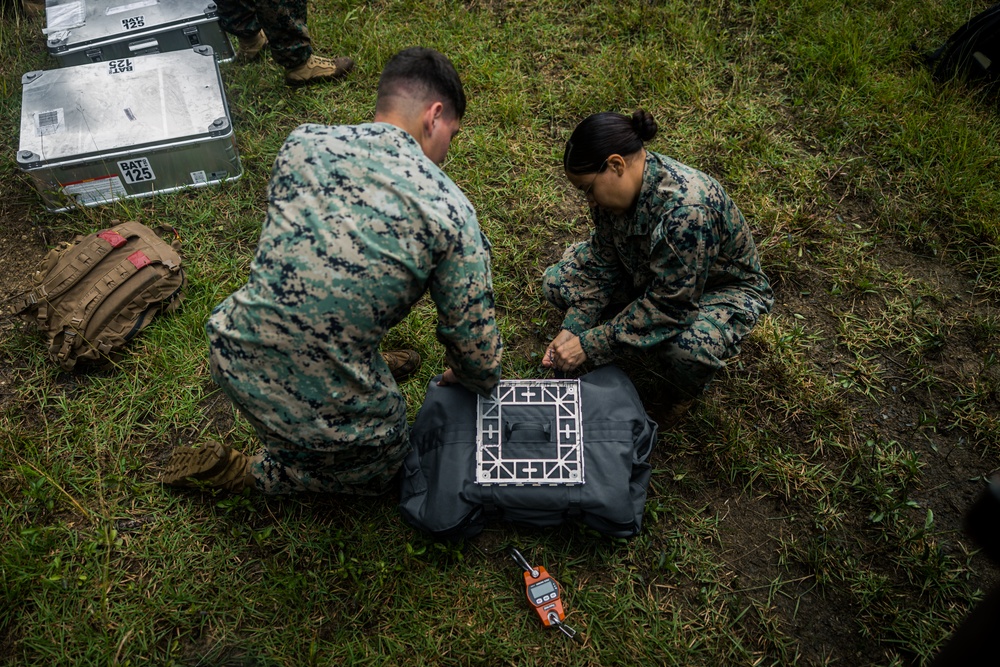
543,431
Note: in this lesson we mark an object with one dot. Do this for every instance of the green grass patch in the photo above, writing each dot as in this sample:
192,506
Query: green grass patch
821,478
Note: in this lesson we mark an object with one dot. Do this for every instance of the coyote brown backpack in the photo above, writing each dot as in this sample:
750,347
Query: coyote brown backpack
91,296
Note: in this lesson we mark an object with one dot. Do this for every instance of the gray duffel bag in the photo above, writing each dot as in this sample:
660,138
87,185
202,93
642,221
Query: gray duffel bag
531,475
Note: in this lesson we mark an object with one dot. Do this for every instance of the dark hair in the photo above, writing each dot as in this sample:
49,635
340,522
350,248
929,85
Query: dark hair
422,72
601,135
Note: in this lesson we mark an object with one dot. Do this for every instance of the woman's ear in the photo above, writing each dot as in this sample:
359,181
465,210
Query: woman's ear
616,163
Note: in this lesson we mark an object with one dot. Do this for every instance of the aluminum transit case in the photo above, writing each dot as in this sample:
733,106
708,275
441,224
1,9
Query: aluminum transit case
86,31
132,127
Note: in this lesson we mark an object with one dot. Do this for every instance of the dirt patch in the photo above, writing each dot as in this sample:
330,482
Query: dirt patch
22,246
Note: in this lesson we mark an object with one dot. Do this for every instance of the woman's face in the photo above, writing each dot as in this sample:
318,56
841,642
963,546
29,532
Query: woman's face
614,189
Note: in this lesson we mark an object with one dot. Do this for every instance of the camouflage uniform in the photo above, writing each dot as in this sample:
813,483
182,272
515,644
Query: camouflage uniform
687,265
283,21
359,225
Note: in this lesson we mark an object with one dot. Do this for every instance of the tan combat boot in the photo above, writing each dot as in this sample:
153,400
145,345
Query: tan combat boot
250,48
402,363
212,465
318,70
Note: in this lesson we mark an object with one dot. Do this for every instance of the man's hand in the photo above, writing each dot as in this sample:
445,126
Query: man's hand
447,378
564,353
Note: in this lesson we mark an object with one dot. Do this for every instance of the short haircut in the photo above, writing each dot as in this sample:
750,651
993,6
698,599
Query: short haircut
423,74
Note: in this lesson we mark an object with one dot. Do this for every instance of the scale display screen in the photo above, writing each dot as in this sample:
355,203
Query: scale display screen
543,591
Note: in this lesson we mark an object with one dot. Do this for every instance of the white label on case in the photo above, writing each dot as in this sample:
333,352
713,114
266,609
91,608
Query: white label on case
198,177
49,122
96,190
64,16
137,170
132,6
119,66
134,22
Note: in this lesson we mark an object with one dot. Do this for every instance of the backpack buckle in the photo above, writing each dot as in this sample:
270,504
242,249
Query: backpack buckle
24,302
67,343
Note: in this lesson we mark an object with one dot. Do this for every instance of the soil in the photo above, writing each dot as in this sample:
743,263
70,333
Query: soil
22,246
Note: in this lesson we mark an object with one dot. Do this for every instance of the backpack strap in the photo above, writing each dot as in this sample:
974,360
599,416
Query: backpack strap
21,302
111,280
158,295
151,240
81,259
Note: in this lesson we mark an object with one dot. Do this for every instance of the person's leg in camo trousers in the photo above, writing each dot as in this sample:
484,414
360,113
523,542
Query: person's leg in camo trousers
361,465
285,467
687,362
691,359
280,24
575,280
283,22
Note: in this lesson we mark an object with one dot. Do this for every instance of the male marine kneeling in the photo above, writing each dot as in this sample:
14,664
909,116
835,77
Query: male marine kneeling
361,221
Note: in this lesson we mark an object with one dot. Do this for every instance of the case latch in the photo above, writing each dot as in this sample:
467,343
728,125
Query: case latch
191,32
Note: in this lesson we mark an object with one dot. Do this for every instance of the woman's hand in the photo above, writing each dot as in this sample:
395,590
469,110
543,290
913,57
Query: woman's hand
564,353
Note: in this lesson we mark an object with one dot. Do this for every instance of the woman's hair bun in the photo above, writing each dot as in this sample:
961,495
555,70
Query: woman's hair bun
644,124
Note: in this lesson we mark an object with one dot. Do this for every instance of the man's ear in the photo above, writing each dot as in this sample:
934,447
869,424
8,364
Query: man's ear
432,114
616,163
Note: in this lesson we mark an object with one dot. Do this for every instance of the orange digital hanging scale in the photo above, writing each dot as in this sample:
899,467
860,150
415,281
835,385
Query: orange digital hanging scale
542,592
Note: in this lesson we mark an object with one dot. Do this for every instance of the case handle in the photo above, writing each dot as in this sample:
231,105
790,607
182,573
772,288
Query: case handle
144,46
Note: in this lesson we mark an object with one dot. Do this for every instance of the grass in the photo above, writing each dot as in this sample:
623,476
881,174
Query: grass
808,513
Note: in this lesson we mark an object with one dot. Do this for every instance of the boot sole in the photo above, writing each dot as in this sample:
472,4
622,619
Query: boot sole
188,463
